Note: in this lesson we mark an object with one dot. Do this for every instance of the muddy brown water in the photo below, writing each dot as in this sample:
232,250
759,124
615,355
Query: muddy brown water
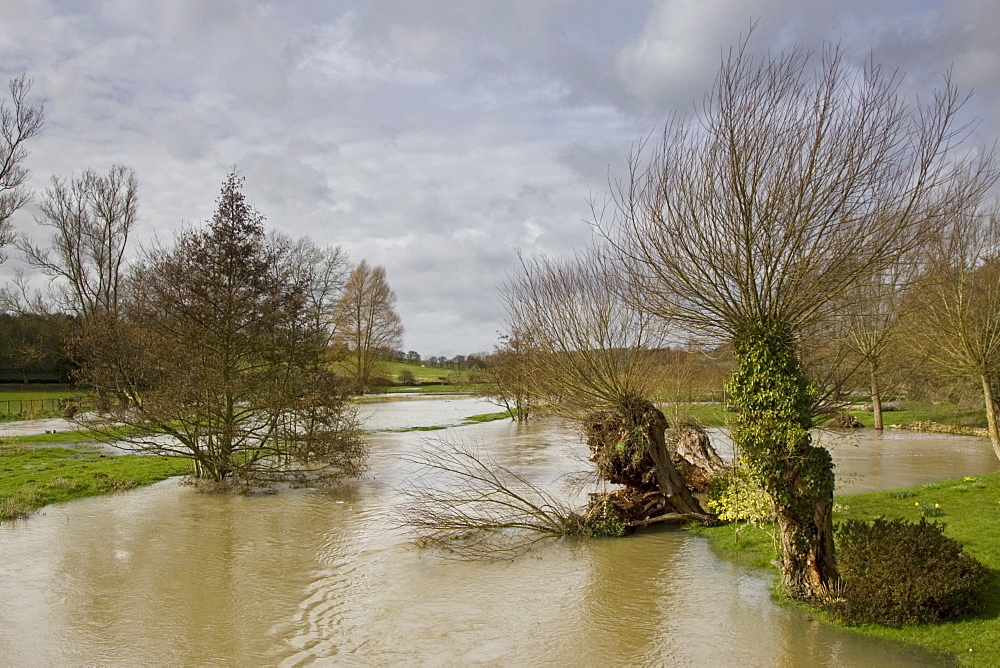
166,576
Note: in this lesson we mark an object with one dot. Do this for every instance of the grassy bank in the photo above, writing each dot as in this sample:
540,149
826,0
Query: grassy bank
706,415
34,477
926,411
970,509
714,415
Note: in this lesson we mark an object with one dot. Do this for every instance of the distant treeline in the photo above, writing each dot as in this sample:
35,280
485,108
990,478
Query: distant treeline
472,361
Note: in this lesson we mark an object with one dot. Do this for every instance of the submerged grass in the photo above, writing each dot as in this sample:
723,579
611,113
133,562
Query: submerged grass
969,508
472,419
34,477
74,436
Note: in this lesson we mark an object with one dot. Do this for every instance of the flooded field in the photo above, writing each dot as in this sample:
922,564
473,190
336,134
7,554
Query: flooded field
166,576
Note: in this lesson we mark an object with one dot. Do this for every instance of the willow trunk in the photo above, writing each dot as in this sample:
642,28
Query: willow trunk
772,431
991,413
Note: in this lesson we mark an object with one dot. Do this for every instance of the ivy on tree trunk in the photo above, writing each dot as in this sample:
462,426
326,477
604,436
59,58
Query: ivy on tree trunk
771,429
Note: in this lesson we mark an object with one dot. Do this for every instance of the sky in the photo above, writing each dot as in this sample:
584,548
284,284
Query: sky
436,138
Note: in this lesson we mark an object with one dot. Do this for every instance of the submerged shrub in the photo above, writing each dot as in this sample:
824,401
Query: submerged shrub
604,518
896,572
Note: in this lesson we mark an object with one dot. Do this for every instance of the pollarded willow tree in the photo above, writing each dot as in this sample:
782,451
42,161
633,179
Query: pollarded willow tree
793,183
592,358
584,354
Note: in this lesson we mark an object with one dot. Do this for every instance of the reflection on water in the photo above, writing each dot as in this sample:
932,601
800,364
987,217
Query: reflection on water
166,576
866,460
439,411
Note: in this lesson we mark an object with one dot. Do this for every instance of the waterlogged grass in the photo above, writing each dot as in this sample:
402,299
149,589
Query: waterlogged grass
970,510
74,436
488,417
34,477
472,419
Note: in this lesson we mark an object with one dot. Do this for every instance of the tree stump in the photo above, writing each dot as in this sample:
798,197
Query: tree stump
628,444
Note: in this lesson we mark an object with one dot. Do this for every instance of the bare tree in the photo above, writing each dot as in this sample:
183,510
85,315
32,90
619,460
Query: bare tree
873,328
221,358
367,324
324,270
957,306
579,351
511,377
792,185
91,217
19,122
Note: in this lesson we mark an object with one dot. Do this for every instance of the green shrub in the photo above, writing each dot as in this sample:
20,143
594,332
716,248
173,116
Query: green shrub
895,572
735,496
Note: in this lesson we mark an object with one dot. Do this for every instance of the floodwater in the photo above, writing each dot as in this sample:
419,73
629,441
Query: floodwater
166,576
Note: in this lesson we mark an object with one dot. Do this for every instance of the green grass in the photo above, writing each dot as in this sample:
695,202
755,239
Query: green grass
16,391
970,509
926,411
706,415
435,388
488,417
34,477
11,393
422,375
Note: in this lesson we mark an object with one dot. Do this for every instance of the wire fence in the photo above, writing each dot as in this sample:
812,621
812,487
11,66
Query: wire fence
29,408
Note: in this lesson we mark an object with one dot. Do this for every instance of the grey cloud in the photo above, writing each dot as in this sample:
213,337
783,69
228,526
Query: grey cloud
433,137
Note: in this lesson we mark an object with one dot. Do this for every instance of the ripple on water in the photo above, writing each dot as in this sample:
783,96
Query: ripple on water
319,577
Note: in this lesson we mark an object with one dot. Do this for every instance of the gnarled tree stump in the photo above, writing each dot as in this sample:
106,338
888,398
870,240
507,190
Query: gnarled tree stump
629,446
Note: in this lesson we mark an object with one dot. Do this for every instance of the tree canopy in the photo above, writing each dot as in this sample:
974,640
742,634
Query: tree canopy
221,359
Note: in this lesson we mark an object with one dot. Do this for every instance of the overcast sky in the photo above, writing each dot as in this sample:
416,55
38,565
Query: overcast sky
434,138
